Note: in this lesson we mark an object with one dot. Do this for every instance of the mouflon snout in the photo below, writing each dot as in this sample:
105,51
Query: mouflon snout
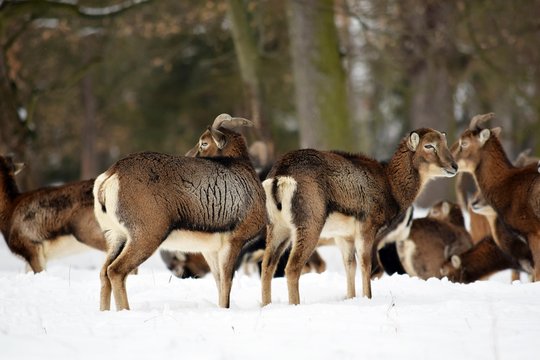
448,162
450,165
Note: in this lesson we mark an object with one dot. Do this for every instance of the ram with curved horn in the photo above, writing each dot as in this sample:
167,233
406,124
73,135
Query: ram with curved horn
212,202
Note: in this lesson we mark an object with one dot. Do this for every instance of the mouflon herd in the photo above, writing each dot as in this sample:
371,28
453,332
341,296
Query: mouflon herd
213,211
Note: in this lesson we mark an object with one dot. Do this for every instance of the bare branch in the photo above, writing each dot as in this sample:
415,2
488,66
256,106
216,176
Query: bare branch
59,86
73,6
18,33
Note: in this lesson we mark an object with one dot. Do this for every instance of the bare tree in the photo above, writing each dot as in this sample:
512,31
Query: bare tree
319,77
249,61
12,129
15,132
428,44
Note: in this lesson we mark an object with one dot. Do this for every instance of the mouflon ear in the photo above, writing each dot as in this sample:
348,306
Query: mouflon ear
18,168
496,131
219,138
445,208
12,165
413,141
484,135
456,261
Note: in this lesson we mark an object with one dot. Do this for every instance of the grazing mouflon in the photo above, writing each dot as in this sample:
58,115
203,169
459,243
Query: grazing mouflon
482,260
49,222
433,240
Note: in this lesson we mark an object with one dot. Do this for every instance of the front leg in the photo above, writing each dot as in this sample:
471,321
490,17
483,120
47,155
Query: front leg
534,244
349,260
31,251
211,258
227,257
364,241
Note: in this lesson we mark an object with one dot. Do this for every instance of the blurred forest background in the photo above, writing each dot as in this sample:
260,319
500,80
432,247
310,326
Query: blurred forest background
85,82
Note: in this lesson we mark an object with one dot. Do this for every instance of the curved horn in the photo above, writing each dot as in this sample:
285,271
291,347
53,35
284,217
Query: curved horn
220,119
236,122
228,122
478,120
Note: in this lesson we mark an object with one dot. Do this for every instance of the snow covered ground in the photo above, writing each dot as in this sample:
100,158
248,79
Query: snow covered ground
54,315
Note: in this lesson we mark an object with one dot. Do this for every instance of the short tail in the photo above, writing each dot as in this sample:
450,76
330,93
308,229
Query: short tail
279,194
98,190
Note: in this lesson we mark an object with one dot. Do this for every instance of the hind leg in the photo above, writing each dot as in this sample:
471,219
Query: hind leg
36,260
105,293
302,248
136,250
276,243
349,259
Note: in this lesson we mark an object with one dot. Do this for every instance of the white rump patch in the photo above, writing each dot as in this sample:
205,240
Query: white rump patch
281,220
286,187
109,187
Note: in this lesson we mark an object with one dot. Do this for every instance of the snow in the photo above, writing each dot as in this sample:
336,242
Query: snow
54,315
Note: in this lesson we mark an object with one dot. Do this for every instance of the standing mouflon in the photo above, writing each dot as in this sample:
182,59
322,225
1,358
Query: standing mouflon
212,203
356,200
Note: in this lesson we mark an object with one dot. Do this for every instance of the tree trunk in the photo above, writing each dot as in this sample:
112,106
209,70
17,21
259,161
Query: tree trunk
432,89
431,103
14,134
88,129
250,66
358,88
12,130
432,106
319,77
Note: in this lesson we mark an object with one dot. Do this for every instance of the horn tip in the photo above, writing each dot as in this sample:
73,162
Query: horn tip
479,119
